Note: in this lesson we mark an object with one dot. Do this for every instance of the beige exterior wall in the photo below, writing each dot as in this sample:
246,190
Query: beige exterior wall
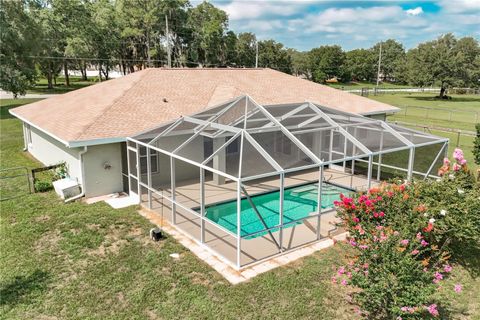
100,179
50,151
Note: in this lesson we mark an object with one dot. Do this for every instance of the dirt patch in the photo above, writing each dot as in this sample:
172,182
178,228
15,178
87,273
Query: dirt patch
92,226
151,315
49,241
199,278
42,218
112,243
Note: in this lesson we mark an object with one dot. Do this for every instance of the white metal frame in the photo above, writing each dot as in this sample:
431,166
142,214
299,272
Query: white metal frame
234,130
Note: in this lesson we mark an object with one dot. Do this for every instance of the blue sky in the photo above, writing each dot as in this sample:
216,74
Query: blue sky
305,24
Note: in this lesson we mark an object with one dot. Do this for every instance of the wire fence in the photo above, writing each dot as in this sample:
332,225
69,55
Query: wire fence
466,119
14,182
386,90
458,138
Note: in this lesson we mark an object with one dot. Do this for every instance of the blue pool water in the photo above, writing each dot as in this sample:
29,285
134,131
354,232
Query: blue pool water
299,202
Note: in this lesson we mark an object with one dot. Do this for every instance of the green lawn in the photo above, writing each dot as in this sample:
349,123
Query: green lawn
463,118
41,87
461,112
77,261
362,84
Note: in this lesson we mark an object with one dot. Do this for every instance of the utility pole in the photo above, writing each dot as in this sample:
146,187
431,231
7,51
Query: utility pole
169,59
379,63
256,54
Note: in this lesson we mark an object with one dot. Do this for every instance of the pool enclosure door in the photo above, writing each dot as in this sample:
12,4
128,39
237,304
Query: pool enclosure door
133,171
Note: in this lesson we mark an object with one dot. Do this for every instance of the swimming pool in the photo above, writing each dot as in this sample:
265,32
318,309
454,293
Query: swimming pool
299,202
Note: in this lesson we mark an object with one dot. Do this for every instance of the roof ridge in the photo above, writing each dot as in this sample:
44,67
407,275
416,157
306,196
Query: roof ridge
142,73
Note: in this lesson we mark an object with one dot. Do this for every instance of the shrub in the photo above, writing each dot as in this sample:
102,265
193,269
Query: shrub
476,145
403,235
43,185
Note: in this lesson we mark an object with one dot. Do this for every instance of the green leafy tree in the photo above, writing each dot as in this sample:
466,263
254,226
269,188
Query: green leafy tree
208,25
245,48
361,64
444,61
327,62
230,52
392,55
272,54
300,63
18,45
180,34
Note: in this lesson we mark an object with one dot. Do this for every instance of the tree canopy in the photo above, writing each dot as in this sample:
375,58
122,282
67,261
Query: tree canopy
47,37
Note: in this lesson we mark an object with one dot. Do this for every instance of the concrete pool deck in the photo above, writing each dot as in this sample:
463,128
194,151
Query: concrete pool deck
259,254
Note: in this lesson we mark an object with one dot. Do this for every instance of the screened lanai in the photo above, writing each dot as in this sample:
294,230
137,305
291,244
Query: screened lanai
250,182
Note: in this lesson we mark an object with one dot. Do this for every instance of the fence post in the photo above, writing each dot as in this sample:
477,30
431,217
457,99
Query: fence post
458,138
406,107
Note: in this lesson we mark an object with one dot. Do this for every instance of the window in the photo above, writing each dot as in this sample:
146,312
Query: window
143,160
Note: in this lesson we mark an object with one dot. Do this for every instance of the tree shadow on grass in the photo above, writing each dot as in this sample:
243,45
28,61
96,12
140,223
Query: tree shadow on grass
469,258
454,99
22,286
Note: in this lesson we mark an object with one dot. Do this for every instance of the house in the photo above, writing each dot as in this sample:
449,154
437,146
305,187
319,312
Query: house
87,128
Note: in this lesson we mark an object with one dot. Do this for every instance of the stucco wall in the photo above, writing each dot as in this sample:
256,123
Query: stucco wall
49,151
101,181
183,170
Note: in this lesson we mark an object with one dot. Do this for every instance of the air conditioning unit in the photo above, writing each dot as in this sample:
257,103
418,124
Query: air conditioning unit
67,188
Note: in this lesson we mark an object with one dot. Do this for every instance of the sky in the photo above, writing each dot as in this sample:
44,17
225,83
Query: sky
305,24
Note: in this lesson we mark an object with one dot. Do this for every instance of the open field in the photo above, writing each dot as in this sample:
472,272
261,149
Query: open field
77,261
362,84
463,116
41,87
461,112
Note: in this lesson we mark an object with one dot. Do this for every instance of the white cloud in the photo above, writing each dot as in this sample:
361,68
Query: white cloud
414,12
305,24
348,20
461,6
239,10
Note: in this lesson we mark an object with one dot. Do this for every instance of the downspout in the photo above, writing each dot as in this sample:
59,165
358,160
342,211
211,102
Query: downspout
82,166
25,143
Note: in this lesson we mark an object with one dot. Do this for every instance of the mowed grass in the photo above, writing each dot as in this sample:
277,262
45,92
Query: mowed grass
463,107
78,261
461,112
363,84
41,87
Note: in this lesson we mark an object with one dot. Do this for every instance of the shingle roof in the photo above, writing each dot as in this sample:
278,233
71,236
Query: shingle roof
144,99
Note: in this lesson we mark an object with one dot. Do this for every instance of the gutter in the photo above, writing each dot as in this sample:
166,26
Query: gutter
82,166
71,144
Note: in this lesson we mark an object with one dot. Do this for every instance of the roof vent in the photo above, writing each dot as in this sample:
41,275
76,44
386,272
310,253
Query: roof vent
165,100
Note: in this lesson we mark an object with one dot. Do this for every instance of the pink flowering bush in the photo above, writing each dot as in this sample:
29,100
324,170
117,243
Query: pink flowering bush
403,236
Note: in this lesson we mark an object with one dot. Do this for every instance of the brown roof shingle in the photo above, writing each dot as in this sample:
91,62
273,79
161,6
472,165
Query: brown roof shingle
134,103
